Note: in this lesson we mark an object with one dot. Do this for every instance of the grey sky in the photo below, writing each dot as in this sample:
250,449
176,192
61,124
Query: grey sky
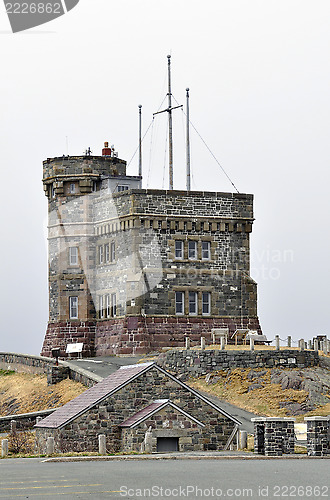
259,80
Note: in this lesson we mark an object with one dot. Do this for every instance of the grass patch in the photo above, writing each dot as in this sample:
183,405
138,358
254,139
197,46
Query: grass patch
23,393
5,373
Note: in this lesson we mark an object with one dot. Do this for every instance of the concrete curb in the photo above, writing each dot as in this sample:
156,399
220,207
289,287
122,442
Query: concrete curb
183,457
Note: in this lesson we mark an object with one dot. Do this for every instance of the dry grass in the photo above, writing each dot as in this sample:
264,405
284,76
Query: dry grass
232,386
23,393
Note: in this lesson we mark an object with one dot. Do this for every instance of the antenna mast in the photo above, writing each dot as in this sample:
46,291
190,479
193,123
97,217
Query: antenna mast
170,128
140,140
188,143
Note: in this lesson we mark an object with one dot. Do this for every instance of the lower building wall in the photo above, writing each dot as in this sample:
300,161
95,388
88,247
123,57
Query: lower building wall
69,332
136,334
132,335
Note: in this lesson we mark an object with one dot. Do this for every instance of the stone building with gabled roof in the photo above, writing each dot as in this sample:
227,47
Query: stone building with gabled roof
139,408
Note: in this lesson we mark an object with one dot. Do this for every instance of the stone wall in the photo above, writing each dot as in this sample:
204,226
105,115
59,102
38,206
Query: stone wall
23,421
26,363
273,436
166,423
82,433
60,334
318,436
138,335
197,362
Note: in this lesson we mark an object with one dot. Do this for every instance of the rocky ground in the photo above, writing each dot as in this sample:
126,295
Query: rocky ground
271,392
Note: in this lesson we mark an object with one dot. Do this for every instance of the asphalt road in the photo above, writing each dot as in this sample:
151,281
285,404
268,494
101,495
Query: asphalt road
194,479
103,366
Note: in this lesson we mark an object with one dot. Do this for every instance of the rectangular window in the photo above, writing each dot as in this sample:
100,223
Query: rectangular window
101,307
73,306
206,303
206,250
73,256
179,249
192,250
113,305
112,252
107,305
179,302
72,188
106,252
101,256
192,303
122,187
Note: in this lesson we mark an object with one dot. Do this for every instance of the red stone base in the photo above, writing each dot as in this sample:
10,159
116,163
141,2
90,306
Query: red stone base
69,332
137,335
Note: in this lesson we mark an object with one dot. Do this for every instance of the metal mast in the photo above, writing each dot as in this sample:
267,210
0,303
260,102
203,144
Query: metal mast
188,143
140,140
170,127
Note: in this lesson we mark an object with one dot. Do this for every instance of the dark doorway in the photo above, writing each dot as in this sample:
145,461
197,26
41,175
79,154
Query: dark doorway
167,444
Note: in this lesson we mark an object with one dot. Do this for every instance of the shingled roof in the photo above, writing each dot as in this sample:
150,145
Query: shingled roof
111,384
92,396
153,408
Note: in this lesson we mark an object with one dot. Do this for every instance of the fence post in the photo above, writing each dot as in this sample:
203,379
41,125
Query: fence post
202,343
243,440
289,341
187,343
4,447
222,343
13,426
251,344
50,446
102,444
277,342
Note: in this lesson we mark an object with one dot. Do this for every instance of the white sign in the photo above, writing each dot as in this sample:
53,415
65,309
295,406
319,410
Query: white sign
78,347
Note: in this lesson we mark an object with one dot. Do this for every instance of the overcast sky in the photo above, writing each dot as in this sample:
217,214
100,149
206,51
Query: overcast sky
259,79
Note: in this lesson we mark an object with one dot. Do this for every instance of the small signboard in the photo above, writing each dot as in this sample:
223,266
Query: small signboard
72,348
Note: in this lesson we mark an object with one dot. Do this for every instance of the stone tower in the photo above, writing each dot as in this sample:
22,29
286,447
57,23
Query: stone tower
132,270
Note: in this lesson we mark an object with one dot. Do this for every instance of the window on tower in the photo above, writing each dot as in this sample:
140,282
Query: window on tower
73,256
206,303
179,249
73,307
192,250
179,303
192,303
206,250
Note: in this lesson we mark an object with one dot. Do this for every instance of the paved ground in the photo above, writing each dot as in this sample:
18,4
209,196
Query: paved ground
103,366
193,479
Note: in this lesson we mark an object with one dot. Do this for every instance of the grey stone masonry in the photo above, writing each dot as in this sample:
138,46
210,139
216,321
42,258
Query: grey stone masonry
273,436
318,436
197,362
106,416
134,270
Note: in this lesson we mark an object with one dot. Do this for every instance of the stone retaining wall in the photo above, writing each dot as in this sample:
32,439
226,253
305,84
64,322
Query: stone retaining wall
24,421
26,363
198,362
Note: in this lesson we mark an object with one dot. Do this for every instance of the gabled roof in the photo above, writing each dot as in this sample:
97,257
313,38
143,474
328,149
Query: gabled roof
153,408
111,384
92,396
